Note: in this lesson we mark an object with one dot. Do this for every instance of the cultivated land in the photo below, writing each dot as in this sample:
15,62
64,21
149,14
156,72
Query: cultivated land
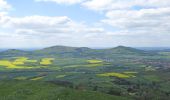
71,73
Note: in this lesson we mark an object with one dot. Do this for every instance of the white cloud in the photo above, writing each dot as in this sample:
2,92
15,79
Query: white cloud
48,25
4,5
69,2
36,22
45,29
107,5
134,23
152,20
144,22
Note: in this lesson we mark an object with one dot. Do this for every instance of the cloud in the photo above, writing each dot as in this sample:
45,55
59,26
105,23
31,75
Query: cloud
144,20
126,22
45,29
68,2
107,5
4,5
134,17
136,22
47,25
37,22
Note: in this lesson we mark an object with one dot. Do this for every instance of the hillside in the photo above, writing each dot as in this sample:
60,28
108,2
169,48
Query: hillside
81,73
13,52
31,90
126,50
64,51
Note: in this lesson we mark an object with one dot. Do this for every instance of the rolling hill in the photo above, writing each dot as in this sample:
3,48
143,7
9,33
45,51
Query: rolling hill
64,51
74,73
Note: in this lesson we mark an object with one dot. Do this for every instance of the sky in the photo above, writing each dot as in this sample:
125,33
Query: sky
84,23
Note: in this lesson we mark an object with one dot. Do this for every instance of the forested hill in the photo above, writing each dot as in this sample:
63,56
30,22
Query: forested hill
65,51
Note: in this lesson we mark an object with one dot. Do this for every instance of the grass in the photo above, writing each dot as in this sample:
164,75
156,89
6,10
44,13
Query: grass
153,78
150,68
115,74
94,65
21,78
23,60
36,90
84,65
37,78
60,76
130,72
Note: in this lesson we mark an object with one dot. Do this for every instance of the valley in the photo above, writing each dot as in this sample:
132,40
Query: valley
71,73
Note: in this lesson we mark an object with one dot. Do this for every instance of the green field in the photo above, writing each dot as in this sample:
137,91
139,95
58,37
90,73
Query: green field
33,90
112,74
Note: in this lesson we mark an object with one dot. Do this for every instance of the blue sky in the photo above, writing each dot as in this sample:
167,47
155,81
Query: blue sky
29,7
87,23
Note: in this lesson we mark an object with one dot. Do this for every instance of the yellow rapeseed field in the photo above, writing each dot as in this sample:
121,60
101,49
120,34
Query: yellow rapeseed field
130,72
18,63
6,63
94,61
46,61
60,76
37,78
115,74
23,60
21,78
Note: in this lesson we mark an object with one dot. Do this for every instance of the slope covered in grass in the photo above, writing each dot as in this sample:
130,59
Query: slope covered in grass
34,90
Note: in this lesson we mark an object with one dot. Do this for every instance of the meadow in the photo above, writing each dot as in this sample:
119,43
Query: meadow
95,76
119,75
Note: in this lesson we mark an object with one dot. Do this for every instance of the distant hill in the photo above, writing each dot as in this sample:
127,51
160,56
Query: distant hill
65,51
13,52
126,50
57,49
62,51
155,49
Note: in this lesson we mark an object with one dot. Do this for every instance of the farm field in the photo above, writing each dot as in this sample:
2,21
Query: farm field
31,90
88,76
